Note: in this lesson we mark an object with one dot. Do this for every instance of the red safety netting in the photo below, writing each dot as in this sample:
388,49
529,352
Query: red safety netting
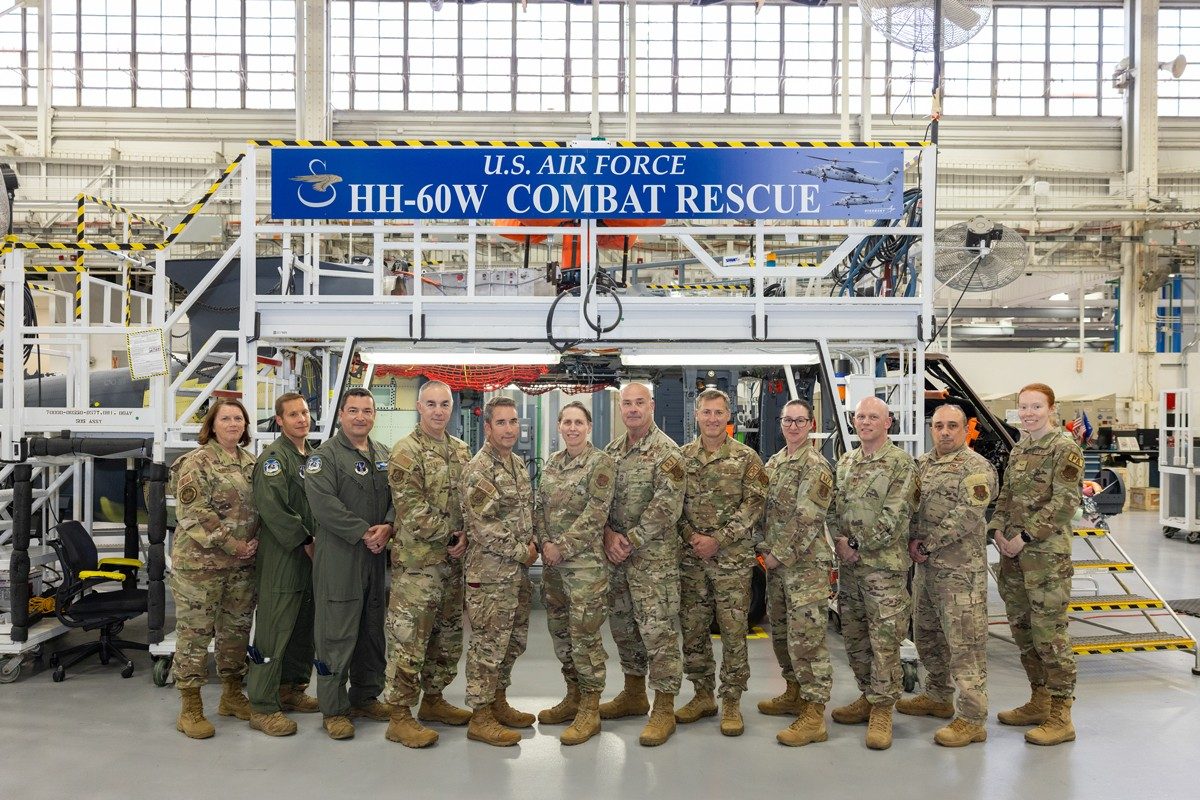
463,376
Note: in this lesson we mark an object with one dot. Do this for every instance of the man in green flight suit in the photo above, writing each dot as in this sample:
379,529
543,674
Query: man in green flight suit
347,486
283,630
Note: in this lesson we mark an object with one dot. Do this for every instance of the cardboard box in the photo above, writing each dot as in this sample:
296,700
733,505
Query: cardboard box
1143,499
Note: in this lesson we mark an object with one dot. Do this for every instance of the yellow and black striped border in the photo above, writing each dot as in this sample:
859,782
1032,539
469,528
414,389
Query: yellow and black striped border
544,143
82,200
203,201
1089,532
1114,605
730,287
1133,647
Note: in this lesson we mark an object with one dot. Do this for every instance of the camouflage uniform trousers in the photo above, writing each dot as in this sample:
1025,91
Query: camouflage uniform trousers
874,607
1036,588
499,617
576,601
723,583
950,622
798,607
424,631
211,603
643,606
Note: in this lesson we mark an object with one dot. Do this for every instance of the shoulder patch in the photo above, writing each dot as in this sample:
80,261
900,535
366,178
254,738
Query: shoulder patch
482,492
272,467
602,480
313,465
403,461
360,468
757,473
978,490
188,494
821,489
673,466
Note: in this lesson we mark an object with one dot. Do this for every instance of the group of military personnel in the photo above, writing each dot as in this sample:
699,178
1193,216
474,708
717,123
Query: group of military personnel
651,536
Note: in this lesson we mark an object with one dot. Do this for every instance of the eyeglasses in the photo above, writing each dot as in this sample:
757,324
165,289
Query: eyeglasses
794,420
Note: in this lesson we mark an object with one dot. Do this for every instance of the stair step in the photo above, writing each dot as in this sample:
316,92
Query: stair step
1103,563
1113,602
1129,643
1089,532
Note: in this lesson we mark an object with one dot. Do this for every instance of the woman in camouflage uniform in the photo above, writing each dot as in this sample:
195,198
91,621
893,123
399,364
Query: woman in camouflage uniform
569,512
1031,528
212,564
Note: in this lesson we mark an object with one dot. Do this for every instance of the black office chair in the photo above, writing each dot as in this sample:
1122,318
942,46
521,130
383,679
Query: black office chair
78,605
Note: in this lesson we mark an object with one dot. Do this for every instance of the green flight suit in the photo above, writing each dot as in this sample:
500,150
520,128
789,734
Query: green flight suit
283,623
348,493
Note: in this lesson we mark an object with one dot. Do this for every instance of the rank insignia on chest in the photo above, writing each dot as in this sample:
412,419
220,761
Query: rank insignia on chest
313,466
272,467
381,466
360,468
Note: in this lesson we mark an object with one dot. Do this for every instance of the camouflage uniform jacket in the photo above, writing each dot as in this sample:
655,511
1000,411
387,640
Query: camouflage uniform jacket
1041,492
424,475
955,491
348,493
216,510
873,502
572,502
286,521
497,504
725,496
648,498
797,501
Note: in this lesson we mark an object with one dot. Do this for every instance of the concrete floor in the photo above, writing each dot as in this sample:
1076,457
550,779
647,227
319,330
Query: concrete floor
1137,717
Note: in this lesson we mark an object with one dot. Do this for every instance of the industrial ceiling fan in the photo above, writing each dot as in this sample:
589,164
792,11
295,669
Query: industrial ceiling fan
912,22
979,255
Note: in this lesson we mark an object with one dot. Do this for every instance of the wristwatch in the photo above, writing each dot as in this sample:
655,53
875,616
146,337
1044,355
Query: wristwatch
1025,537
922,549
852,542
308,540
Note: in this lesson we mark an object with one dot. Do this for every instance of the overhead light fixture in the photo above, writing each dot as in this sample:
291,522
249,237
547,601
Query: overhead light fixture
430,358
1060,296
756,359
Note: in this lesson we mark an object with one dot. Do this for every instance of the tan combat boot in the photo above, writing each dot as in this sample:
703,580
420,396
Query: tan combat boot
1058,727
509,716
731,718
662,721
293,698
587,720
786,704
407,731
704,704
960,733
233,700
435,708
1032,713
925,706
856,713
809,726
191,722
565,711
629,702
879,729
484,727
274,724
338,727
374,710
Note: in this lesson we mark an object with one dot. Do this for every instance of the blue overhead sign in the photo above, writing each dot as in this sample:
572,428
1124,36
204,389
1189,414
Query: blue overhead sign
826,183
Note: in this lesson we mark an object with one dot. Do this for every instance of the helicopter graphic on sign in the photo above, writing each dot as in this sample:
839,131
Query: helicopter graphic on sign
834,169
861,199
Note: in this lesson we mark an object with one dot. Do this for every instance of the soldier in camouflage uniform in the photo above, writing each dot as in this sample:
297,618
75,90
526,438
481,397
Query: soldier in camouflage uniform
723,502
948,541
876,492
212,565
424,619
347,487
798,559
1031,528
642,545
497,505
283,630
569,511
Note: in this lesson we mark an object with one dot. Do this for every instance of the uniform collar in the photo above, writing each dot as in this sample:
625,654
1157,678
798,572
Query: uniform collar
801,452
287,444
224,458
723,451
860,455
953,454
425,439
494,454
1044,440
624,447
342,439
582,458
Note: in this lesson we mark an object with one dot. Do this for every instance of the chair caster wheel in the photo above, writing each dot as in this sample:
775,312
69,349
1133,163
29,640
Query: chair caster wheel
59,674
127,670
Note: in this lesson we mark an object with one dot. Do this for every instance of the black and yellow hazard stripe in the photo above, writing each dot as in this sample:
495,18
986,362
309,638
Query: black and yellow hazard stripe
15,243
545,143
729,287
82,199
55,268
1089,532
1103,564
1113,603
199,204
1133,646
